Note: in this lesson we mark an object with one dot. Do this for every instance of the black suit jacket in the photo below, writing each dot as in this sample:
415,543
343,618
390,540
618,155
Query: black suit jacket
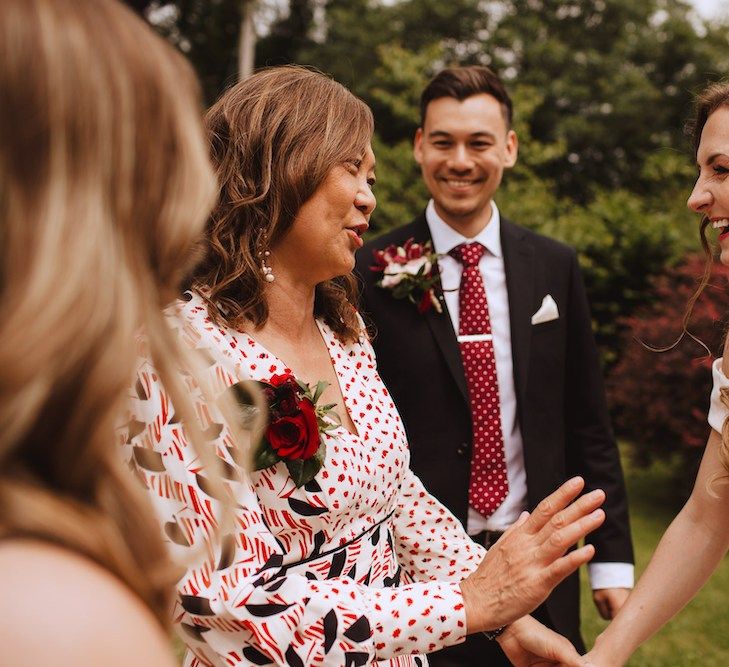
561,403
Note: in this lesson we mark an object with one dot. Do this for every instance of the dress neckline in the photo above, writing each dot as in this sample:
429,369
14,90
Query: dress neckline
330,340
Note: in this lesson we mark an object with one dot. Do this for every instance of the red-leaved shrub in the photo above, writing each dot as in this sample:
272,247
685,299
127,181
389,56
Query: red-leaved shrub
660,400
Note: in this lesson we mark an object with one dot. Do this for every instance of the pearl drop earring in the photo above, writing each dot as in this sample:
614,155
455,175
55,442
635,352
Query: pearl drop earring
263,254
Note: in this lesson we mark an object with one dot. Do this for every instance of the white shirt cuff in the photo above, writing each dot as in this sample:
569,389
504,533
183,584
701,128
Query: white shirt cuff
718,412
611,575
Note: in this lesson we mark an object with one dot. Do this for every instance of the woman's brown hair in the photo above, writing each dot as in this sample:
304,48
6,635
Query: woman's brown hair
274,138
105,184
707,102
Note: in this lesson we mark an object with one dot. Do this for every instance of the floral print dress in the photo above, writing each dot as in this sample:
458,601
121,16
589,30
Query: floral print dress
360,565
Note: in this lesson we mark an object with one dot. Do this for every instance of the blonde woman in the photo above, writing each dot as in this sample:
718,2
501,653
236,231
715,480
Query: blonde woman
338,555
698,538
104,188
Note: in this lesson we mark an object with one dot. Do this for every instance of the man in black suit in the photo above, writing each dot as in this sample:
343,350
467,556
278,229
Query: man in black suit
536,333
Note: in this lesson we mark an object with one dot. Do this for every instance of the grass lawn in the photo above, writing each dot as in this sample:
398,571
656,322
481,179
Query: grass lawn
699,635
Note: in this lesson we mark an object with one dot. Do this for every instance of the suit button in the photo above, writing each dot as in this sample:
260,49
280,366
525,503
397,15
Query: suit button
462,449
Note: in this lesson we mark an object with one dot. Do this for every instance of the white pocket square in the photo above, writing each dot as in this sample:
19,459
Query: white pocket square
547,311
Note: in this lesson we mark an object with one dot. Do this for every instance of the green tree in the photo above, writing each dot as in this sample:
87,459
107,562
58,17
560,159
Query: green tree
601,89
208,32
617,78
288,37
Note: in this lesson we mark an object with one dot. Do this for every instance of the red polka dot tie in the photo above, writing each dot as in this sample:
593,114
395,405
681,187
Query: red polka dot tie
489,484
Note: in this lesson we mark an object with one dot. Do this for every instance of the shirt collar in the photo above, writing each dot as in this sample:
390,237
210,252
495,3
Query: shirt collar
445,238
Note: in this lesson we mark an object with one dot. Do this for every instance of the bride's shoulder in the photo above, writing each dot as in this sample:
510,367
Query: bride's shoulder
62,609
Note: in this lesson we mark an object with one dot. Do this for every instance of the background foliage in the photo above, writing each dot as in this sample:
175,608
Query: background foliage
601,91
660,400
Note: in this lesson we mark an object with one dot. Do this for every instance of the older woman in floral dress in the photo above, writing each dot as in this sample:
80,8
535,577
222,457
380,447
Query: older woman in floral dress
337,554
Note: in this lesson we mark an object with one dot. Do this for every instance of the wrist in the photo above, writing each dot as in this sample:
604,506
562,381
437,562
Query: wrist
492,635
480,617
471,604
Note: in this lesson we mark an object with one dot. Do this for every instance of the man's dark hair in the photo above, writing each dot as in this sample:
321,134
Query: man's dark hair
463,82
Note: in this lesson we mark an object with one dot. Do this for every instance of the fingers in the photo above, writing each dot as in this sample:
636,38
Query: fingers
570,525
523,517
609,601
573,663
555,502
604,610
603,603
567,564
578,509
560,540
564,653
538,644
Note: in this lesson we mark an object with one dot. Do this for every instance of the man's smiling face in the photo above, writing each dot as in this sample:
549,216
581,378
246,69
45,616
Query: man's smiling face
463,149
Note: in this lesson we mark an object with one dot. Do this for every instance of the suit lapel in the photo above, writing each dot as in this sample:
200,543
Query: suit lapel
445,337
519,269
440,323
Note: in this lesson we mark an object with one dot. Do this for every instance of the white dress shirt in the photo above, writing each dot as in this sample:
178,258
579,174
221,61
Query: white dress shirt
445,238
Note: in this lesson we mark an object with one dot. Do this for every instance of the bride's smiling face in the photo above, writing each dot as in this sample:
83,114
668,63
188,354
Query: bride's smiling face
710,196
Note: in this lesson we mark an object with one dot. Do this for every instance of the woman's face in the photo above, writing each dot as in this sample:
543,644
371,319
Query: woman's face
328,227
710,195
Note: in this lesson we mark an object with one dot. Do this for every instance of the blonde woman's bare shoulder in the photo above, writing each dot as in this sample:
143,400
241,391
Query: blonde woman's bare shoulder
63,610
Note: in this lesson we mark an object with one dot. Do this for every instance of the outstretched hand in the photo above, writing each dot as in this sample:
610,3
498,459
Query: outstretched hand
528,643
521,569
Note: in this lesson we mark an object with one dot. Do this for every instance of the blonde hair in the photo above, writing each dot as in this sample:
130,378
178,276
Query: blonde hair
274,138
104,188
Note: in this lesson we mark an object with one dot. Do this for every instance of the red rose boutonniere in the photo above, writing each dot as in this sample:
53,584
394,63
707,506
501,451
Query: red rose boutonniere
295,426
410,272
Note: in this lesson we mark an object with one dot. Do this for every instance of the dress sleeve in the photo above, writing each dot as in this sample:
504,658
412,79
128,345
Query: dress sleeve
430,542
718,411
236,602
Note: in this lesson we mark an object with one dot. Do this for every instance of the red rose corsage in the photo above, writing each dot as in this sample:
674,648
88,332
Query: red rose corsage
295,427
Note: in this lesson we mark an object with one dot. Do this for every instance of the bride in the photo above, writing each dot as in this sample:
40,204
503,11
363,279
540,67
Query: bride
677,571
